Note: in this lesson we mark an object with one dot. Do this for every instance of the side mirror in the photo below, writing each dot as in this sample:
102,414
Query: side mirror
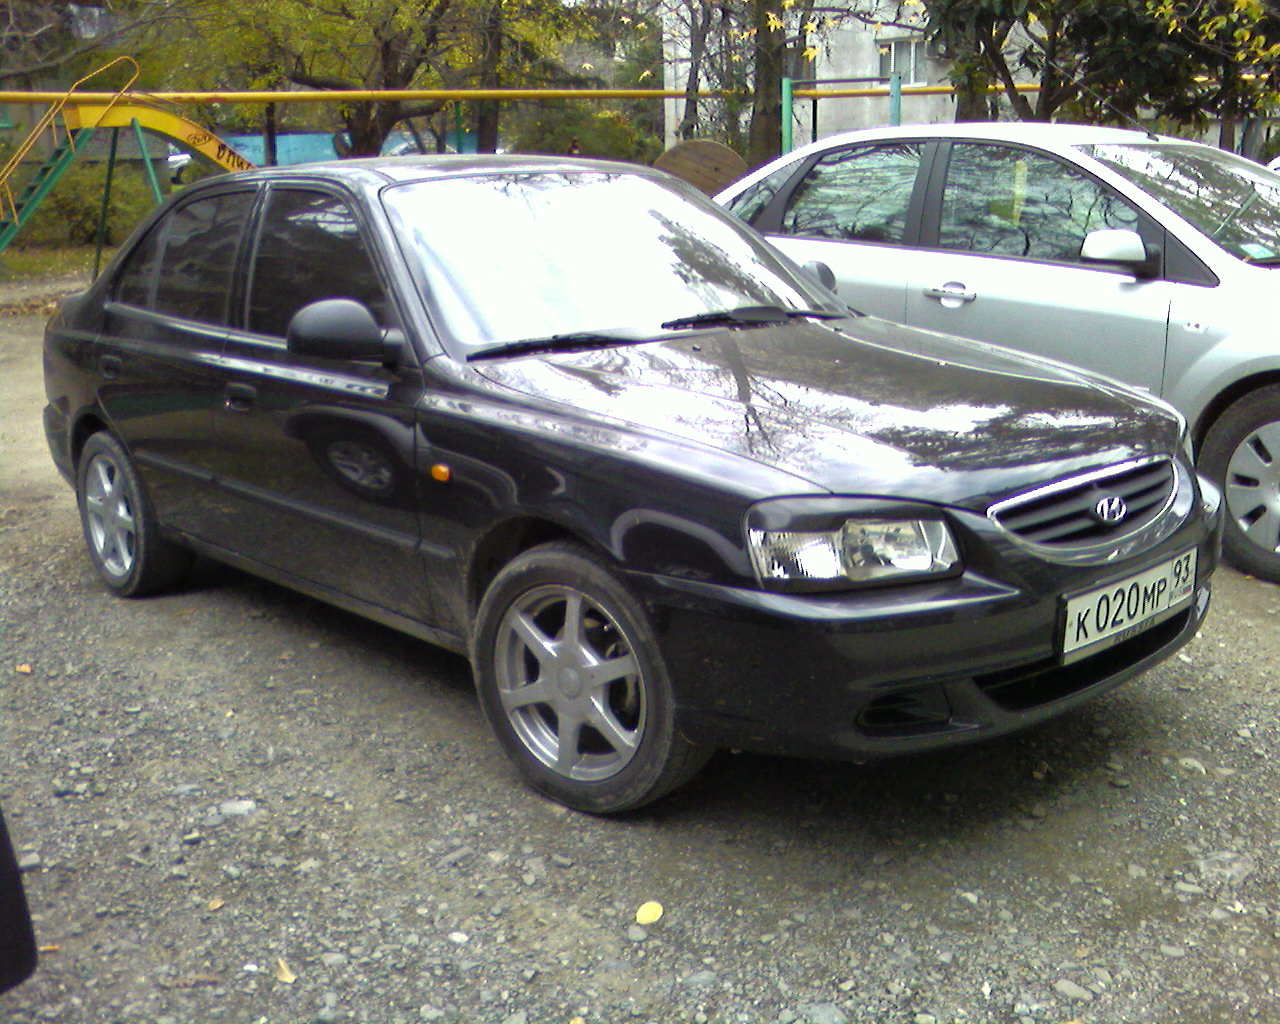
340,329
1122,248
821,273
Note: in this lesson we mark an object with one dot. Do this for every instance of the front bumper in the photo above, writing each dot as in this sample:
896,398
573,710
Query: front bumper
905,669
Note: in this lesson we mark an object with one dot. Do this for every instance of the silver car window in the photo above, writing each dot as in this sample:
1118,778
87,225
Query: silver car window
1008,201
1233,201
859,192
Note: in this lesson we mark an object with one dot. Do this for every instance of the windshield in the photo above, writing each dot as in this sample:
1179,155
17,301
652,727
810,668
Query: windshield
1233,201
530,254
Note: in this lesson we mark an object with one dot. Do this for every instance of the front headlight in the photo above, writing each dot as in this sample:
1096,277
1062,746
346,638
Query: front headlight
860,549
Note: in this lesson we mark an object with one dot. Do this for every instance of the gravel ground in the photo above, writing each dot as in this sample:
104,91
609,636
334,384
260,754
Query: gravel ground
236,804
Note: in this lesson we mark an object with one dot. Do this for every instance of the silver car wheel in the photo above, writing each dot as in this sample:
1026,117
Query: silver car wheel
110,516
570,684
1252,486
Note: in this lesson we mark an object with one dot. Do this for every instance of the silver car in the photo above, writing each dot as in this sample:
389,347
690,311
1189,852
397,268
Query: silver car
1147,258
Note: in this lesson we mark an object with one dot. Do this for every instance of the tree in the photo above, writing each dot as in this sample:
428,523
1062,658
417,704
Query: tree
40,38
1081,53
1239,44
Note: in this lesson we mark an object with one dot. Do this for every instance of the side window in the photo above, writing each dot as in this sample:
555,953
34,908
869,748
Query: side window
137,280
1010,202
861,193
309,249
198,257
184,265
748,204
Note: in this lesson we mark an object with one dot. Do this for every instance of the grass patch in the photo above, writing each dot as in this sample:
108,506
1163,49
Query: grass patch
31,263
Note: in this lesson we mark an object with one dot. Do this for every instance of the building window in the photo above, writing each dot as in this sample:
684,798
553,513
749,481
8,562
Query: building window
906,57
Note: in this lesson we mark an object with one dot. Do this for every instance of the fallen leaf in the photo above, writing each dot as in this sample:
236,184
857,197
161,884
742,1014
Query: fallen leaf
217,904
283,974
649,912
25,669
48,949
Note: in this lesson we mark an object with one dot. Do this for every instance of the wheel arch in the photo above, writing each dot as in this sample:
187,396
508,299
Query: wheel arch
86,426
506,541
1227,397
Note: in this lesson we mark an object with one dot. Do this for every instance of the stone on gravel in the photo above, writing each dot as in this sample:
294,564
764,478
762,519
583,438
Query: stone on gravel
823,1013
28,861
1226,866
699,979
236,808
1070,990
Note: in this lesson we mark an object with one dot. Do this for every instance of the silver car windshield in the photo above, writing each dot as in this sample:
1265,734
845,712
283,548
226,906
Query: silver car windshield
516,255
1233,201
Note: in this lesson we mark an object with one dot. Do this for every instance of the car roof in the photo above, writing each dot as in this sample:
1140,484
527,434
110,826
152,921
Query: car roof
1032,132
380,170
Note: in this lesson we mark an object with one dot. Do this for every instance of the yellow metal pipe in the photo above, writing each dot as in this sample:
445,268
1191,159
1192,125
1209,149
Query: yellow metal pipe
349,96
910,90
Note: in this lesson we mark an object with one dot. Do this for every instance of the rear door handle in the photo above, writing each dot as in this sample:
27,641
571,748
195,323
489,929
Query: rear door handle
952,290
111,366
239,397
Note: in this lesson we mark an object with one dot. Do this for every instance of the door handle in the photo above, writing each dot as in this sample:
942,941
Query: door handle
951,290
111,366
239,397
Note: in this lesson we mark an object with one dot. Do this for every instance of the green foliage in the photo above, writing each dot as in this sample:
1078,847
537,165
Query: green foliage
69,214
22,262
562,126
1104,60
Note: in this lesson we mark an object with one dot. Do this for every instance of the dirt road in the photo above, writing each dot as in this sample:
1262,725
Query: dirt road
237,804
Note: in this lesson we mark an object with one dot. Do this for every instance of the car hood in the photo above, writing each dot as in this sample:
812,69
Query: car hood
862,406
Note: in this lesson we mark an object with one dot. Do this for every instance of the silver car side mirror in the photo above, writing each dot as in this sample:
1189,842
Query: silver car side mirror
1113,245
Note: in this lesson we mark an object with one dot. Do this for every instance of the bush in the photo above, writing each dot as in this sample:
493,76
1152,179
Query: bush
69,214
577,127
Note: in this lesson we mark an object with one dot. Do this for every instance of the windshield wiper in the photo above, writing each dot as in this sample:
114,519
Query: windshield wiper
560,343
745,316
1263,261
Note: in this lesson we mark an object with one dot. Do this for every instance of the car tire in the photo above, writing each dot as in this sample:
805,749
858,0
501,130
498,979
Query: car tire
589,720
1241,454
120,532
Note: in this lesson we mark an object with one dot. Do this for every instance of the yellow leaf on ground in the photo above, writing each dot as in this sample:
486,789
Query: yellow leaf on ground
283,974
649,912
217,904
25,669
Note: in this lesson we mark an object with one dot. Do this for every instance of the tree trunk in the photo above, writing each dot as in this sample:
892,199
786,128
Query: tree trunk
764,140
269,135
487,111
700,15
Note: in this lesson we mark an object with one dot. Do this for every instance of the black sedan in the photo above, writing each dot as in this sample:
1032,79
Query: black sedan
666,492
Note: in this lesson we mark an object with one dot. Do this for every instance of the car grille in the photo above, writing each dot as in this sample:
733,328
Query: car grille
1063,514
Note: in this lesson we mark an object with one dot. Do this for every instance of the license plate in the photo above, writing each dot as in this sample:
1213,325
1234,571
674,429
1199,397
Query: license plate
1107,615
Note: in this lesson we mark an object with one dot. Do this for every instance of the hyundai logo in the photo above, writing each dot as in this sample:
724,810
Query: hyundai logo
1110,509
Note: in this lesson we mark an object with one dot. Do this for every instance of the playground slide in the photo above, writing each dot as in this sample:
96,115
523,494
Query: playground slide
121,114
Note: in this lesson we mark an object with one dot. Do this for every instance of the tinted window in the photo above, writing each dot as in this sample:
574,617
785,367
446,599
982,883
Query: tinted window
857,193
199,242
137,279
309,249
750,202
1010,202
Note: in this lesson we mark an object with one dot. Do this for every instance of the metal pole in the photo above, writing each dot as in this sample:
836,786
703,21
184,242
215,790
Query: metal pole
786,115
895,99
106,201
146,162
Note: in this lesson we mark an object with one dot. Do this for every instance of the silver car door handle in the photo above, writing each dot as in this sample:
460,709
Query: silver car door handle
951,292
